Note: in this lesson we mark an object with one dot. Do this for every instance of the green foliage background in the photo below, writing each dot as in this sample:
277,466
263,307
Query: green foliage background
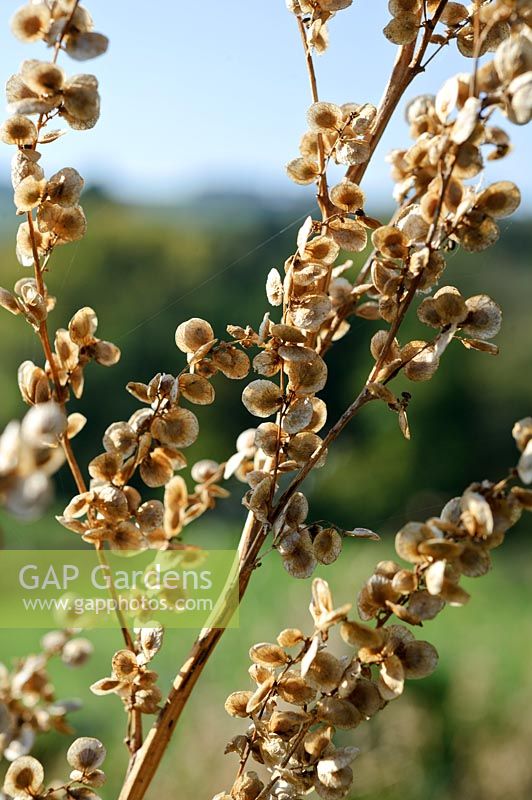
465,732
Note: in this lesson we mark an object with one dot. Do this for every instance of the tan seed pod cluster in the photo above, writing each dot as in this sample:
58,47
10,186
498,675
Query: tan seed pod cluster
305,693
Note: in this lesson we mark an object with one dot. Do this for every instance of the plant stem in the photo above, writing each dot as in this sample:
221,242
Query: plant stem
144,763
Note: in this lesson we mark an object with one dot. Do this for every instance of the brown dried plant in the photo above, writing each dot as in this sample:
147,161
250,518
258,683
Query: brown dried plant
302,692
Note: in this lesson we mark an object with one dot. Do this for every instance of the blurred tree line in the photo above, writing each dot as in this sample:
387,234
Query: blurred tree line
145,269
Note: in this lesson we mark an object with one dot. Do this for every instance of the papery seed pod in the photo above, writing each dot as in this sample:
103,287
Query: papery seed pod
325,672
54,641
441,548
327,545
236,703
287,723
150,515
204,470
340,713
477,516
445,308
298,416
390,241
77,652
424,606
267,363
260,695
520,92
419,659
124,665
247,787
156,468
24,777
473,561
296,511
42,77
289,637
65,224
392,678
469,162
402,30
126,537
82,793
268,655
349,234
295,690
28,193
524,496
318,741
196,389
378,343
513,57
478,236
484,317
175,500
193,334
81,102
522,432
366,697
334,762
274,288
310,313
120,437
18,130
231,361
348,196
358,635
25,164
352,152
262,398
179,427
399,8
111,502
420,359
340,292
288,333
408,540
64,188
298,555
500,199
267,436
105,466
333,784
319,415
306,370
86,753
303,446
31,22
84,45
83,325
151,640
302,170
324,117
43,425
321,249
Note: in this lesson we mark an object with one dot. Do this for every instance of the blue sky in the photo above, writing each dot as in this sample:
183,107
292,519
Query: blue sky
196,94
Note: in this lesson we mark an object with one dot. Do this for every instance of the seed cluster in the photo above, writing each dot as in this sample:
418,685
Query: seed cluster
25,777
131,678
29,456
28,702
305,693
